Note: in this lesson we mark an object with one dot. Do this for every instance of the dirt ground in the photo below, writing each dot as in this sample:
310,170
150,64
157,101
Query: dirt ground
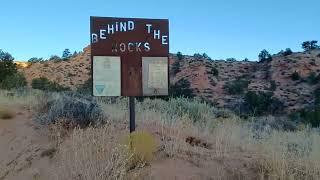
25,152
21,148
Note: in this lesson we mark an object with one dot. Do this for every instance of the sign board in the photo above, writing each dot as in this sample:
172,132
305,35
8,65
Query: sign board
129,56
106,75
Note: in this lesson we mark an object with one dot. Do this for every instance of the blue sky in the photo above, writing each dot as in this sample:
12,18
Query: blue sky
220,28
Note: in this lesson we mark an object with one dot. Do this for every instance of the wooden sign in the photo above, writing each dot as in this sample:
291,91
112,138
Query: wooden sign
129,56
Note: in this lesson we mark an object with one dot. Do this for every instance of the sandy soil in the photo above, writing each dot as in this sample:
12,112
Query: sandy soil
21,148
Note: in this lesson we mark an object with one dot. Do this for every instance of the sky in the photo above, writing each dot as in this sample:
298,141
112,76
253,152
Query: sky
220,28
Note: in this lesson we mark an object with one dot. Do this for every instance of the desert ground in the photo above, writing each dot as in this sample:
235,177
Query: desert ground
43,136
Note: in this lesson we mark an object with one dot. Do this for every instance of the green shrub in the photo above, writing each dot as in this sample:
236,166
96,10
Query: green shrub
310,45
16,80
55,58
74,108
66,55
44,84
264,56
236,87
35,60
261,102
231,59
197,56
180,56
196,110
313,78
316,95
214,71
295,76
181,88
311,117
287,52
205,56
273,86
7,66
175,68
85,88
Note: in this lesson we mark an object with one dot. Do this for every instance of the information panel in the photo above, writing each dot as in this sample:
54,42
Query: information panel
106,76
136,48
155,76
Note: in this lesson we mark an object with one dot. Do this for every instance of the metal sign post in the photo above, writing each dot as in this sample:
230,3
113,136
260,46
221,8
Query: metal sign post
129,57
132,114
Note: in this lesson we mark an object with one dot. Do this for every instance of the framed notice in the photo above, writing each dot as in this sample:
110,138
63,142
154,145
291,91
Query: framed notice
155,76
106,76
129,56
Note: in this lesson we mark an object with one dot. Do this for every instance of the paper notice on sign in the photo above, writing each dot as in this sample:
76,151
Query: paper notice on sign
106,76
157,78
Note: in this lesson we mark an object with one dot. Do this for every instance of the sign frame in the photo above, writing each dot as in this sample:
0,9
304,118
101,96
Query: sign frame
132,67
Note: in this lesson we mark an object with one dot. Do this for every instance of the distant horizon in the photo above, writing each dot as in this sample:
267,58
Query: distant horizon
221,29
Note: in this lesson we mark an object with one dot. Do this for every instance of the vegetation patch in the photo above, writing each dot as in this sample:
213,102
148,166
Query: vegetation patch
45,84
295,76
258,103
237,86
14,81
5,113
181,88
142,147
214,71
73,108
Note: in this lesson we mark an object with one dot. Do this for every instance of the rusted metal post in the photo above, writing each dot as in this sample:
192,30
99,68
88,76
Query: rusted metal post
132,114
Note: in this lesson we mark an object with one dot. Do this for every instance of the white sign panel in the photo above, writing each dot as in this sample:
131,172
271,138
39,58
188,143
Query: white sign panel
106,76
155,76
158,76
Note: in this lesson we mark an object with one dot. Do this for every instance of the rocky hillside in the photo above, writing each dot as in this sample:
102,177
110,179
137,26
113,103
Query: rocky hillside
69,73
272,76
208,78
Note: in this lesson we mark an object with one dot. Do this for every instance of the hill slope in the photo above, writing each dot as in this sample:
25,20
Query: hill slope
272,76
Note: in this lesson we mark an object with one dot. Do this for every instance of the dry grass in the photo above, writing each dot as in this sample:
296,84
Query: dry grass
97,153
92,154
142,146
277,154
25,98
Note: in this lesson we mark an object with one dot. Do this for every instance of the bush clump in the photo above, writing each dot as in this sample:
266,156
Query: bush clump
142,146
259,103
181,88
14,81
295,76
307,116
262,125
264,56
45,84
86,87
273,85
236,86
197,111
214,71
287,52
180,56
73,108
313,78
7,66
